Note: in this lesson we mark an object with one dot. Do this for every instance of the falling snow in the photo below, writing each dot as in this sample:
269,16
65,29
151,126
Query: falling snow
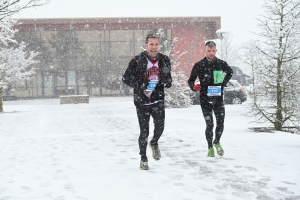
90,152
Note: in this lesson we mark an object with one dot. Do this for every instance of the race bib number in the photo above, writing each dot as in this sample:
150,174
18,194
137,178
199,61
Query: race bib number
214,91
218,77
152,85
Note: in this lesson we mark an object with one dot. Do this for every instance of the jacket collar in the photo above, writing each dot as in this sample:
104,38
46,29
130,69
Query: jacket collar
153,59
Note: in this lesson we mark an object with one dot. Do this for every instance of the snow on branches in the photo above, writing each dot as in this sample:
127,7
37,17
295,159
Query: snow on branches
6,31
178,96
275,61
12,7
16,64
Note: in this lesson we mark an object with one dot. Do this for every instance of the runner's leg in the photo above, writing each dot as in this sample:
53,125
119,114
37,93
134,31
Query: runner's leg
208,117
143,115
158,114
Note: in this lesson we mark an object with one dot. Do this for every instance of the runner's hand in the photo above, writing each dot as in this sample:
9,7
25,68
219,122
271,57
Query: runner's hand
168,84
197,87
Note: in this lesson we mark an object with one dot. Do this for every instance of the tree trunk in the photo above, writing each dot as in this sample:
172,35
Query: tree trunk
1,100
278,123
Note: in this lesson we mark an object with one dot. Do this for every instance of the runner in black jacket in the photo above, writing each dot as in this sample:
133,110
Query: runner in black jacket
210,71
148,74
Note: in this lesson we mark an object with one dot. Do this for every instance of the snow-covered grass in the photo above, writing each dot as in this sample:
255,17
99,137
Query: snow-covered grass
90,152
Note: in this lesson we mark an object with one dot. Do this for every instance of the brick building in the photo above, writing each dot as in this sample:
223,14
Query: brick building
87,56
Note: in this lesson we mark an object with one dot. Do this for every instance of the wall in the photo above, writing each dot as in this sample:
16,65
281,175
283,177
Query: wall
87,56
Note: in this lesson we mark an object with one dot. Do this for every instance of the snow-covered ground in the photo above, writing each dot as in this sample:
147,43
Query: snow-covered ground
90,152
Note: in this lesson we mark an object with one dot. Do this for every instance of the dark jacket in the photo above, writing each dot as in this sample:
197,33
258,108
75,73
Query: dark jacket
135,77
204,71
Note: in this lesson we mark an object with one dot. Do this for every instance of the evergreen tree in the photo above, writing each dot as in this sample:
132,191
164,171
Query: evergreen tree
178,95
11,69
15,62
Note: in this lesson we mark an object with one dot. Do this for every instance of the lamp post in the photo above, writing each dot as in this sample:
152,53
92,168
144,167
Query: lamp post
221,34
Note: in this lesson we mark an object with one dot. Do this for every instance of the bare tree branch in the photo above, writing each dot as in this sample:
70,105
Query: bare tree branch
275,60
11,7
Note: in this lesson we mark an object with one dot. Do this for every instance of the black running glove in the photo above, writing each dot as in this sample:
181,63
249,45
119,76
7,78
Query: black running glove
168,84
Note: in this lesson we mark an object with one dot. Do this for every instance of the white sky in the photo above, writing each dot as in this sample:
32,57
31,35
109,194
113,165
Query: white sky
90,151
237,16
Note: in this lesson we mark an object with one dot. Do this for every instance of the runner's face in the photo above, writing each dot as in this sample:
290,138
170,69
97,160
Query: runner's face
152,46
210,52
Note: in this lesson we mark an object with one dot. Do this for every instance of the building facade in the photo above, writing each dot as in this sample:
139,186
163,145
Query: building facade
88,56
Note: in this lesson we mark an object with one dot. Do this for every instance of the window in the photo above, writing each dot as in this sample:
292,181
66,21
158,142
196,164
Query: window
71,78
48,79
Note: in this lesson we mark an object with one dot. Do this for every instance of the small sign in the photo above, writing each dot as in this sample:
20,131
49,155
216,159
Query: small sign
218,76
214,91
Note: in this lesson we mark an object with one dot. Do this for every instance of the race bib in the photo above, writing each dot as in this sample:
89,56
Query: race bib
218,77
152,85
214,91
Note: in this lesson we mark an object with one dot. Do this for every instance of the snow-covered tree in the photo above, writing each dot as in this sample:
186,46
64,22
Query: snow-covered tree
14,61
6,31
6,35
178,95
15,65
275,61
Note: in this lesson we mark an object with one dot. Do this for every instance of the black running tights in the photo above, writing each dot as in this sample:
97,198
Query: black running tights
157,111
207,109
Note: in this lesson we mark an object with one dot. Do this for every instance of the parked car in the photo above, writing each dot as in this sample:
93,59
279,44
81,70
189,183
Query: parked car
240,76
234,93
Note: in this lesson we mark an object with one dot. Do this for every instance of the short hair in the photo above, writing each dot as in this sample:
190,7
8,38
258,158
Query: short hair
151,35
210,44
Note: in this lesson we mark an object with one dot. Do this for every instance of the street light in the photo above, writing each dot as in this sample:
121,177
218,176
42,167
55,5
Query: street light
221,34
